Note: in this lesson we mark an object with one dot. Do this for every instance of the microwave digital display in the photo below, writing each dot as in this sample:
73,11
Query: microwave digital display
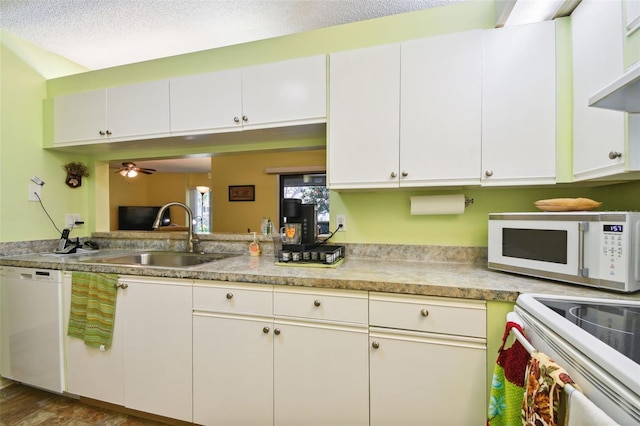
612,228
544,245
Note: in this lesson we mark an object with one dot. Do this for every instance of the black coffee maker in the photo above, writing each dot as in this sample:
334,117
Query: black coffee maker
305,214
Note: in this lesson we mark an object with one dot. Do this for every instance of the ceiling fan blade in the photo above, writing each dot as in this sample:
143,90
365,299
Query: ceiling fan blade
145,169
145,172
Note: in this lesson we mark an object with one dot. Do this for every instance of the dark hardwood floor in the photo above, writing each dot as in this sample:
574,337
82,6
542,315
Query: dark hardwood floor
25,406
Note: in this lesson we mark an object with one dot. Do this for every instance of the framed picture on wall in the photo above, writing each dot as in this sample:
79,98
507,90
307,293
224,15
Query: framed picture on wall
242,192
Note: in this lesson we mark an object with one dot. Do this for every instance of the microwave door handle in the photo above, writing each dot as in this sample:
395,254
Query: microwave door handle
582,228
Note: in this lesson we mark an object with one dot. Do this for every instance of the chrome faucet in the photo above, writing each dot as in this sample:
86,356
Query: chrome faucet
192,238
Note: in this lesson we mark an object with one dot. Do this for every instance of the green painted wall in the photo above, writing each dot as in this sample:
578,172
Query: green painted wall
22,89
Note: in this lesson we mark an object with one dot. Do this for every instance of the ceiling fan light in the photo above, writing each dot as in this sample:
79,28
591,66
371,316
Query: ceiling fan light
132,173
123,172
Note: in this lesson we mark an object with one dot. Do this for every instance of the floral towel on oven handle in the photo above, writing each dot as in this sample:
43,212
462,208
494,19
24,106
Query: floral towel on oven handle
544,383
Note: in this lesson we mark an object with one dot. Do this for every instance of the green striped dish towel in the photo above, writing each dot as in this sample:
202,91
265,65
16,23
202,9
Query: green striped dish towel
93,307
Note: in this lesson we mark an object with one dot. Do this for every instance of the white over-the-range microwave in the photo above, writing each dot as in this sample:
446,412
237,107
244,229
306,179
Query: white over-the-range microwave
598,249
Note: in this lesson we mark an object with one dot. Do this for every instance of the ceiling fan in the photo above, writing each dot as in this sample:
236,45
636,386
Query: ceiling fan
130,169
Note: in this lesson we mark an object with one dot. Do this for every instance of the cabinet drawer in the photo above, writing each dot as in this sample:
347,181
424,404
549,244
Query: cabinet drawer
429,314
226,297
327,305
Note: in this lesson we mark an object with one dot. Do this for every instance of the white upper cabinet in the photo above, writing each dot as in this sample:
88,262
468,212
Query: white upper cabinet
364,118
80,117
440,120
206,102
137,111
519,105
278,94
285,93
598,134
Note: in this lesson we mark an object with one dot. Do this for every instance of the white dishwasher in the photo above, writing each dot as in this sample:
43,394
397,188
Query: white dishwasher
31,327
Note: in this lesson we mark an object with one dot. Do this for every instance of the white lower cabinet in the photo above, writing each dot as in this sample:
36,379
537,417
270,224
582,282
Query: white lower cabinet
91,372
232,354
309,365
320,357
149,364
427,361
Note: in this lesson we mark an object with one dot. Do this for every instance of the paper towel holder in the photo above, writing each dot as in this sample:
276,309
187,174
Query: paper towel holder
467,201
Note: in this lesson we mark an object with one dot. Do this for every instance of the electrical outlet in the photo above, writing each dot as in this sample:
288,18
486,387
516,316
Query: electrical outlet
70,220
341,219
33,190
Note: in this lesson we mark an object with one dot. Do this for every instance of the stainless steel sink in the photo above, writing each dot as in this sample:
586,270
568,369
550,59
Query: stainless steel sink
164,259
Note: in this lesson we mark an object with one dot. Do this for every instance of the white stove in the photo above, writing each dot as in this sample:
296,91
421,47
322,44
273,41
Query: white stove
596,340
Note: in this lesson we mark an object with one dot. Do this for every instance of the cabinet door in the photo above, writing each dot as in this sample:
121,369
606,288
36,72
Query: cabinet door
519,105
364,118
440,133
158,347
206,102
427,379
91,372
80,118
597,60
290,92
232,370
138,110
320,374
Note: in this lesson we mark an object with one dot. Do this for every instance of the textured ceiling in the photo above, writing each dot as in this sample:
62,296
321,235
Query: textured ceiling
105,33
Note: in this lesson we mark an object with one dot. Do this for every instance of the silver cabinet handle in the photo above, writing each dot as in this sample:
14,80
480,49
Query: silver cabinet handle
488,173
122,285
405,174
101,133
236,119
316,302
424,312
276,331
394,174
615,154
245,118
375,344
229,295
265,330
108,132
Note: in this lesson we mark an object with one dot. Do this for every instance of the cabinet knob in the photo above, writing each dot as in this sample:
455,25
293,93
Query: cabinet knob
375,344
101,133
265,330
424,312
229,295
488,173
316,302
108,132
405,174
245,118
394,174
236,119
615,154
276,331
122,285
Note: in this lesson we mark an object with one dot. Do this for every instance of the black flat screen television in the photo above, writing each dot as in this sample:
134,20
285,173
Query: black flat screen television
140,218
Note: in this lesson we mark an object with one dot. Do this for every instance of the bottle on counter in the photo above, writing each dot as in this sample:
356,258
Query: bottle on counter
254,247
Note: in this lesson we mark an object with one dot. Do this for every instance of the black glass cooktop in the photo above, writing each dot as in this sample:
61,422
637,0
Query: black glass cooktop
616,325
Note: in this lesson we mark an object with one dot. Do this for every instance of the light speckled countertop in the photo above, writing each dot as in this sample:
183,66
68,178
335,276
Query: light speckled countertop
447,279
